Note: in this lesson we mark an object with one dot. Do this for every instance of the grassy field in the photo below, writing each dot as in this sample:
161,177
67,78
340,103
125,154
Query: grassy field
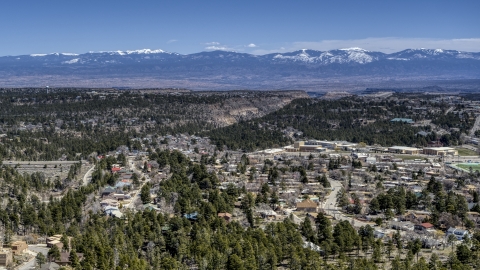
466,152
466,166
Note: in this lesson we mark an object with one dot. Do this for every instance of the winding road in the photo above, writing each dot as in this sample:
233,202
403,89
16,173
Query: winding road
88,176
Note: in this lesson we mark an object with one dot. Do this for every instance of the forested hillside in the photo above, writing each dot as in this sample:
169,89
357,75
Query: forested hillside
39,124
349,119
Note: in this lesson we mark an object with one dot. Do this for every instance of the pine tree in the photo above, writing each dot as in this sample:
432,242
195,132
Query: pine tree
40,258
307,230
145,194
54,253
73,258
324,228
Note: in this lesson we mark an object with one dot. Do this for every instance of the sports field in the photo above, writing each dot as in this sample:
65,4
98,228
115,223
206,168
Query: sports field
466,166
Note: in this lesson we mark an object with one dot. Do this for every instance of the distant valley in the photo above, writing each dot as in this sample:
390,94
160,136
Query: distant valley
343,70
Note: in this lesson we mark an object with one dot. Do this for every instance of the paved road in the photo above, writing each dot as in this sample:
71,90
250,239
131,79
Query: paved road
449,110
476,126
135,197
15,162
330,205
34,249
296,219
474,159
88,176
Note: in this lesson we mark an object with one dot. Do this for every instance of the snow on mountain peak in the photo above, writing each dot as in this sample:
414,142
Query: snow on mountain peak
352,55
73,61
145,51
354,49
55,53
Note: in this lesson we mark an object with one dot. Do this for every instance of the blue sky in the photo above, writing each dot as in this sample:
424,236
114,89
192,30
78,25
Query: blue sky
258,27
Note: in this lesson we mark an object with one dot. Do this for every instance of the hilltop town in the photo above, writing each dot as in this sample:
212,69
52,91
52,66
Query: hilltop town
397,177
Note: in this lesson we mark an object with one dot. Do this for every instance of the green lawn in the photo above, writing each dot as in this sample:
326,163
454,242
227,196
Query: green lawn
466,166
466,152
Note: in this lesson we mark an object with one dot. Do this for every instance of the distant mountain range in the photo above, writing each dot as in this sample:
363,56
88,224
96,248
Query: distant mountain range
304,69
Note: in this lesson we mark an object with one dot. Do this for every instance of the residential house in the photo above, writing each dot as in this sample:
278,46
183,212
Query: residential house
378,234
226,216
417,216
307,206
112,211
423,227
65,258
109,209
458,233
121,196
107,191
50,266
55,241
268,214
402,225
123,183
116,213
109,202
18,247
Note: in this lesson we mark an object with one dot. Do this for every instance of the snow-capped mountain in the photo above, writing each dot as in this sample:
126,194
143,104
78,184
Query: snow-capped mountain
342,56
241,69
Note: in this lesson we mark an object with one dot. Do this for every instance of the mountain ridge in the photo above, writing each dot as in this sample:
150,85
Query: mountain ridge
420,53
301,69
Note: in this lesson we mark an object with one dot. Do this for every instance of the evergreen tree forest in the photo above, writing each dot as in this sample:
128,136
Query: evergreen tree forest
150,240
350,119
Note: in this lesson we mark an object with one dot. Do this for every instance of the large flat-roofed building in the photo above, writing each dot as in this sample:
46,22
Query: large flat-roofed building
310,148
319,146
301,146
404,150
298,144
440,151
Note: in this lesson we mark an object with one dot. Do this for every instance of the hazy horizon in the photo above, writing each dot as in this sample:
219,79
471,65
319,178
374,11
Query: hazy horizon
185,27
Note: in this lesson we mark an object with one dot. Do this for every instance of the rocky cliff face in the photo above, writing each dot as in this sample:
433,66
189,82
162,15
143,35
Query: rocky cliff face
248,105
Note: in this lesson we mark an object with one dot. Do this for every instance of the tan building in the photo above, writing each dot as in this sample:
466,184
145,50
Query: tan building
55,241
300,146
6,257
440,151
18,247
404,150
226,216
307,206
